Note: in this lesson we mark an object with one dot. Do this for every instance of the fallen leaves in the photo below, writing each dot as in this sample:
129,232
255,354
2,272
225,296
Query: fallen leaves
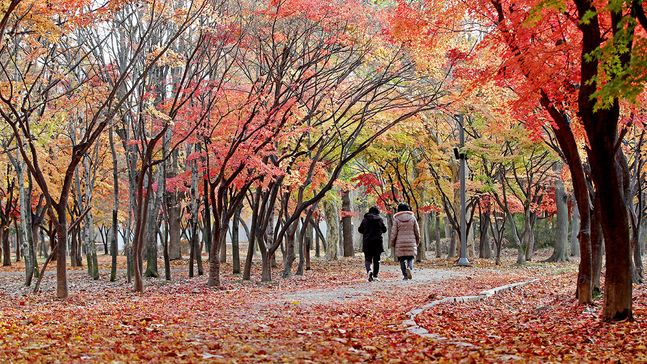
247,322
540,322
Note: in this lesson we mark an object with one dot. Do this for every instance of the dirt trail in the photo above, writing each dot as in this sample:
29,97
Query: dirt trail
359,290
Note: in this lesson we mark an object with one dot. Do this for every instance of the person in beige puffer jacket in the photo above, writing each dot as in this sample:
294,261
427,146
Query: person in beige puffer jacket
405,237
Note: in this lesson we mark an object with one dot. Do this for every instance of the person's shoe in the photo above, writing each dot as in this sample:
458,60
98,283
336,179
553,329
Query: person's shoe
376,279
409,275
370,276
405,278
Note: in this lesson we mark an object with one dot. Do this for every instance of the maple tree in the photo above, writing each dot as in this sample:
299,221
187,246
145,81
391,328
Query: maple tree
229,140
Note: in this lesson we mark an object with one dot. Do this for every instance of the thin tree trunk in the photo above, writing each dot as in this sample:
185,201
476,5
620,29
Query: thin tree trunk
437,232
332,233
302,253
597,242
309,237
167,259
449,233
247,269
6,248
575,228
317,246
422,245
252,236
347,224
561,234
173,211
192,249
206,216
484,235
151,244
530,237
25,222
235,250
223,250
18,241
289,257
61,252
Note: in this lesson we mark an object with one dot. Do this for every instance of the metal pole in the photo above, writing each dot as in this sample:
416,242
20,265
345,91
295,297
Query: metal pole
462,261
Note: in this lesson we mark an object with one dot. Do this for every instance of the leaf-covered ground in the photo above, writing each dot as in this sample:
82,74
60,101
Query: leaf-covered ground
184,321
542,322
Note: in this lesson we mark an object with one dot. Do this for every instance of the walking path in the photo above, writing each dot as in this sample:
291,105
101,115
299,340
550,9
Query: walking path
359,290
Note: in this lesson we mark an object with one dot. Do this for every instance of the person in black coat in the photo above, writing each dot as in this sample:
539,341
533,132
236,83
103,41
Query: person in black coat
372,228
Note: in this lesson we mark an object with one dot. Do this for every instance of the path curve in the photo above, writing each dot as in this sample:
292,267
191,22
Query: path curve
413,327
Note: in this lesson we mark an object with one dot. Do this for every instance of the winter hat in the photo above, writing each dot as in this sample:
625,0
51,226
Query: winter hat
403,207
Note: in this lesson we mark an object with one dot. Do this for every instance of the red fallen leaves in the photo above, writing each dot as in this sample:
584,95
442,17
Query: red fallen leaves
541,322
246,322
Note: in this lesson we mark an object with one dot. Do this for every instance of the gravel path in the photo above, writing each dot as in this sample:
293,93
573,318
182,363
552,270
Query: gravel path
359,290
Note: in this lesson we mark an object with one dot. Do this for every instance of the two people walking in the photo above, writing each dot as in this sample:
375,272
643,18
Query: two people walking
405,236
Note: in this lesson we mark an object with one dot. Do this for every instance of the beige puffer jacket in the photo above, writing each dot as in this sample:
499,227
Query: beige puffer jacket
405,234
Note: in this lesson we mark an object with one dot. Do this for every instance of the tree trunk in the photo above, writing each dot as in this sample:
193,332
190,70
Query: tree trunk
253,236
601,125
235,240
347,224
318,246
25,222
91,246
151,237
570,149
484,235
519,240
247,269
198,257
223,250
309,237
18,241
61,252
642,236
192,249
266,261
561,236
141,222
438,243
289,257
422,245
597,244
575,228
206,216
173,211
35,242
6,248
332,232
114,249
449,233
302,253
637,271
529,235
167,260
75,259
217,239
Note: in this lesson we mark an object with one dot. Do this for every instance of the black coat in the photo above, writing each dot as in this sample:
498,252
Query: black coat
372,228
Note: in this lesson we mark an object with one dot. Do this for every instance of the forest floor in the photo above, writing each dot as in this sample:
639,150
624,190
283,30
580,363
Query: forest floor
331,314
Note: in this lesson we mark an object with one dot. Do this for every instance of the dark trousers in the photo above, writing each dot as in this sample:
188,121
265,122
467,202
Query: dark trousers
406,262
372,259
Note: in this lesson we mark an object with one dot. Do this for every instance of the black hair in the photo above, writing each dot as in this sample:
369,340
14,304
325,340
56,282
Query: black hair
403,207
374,210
